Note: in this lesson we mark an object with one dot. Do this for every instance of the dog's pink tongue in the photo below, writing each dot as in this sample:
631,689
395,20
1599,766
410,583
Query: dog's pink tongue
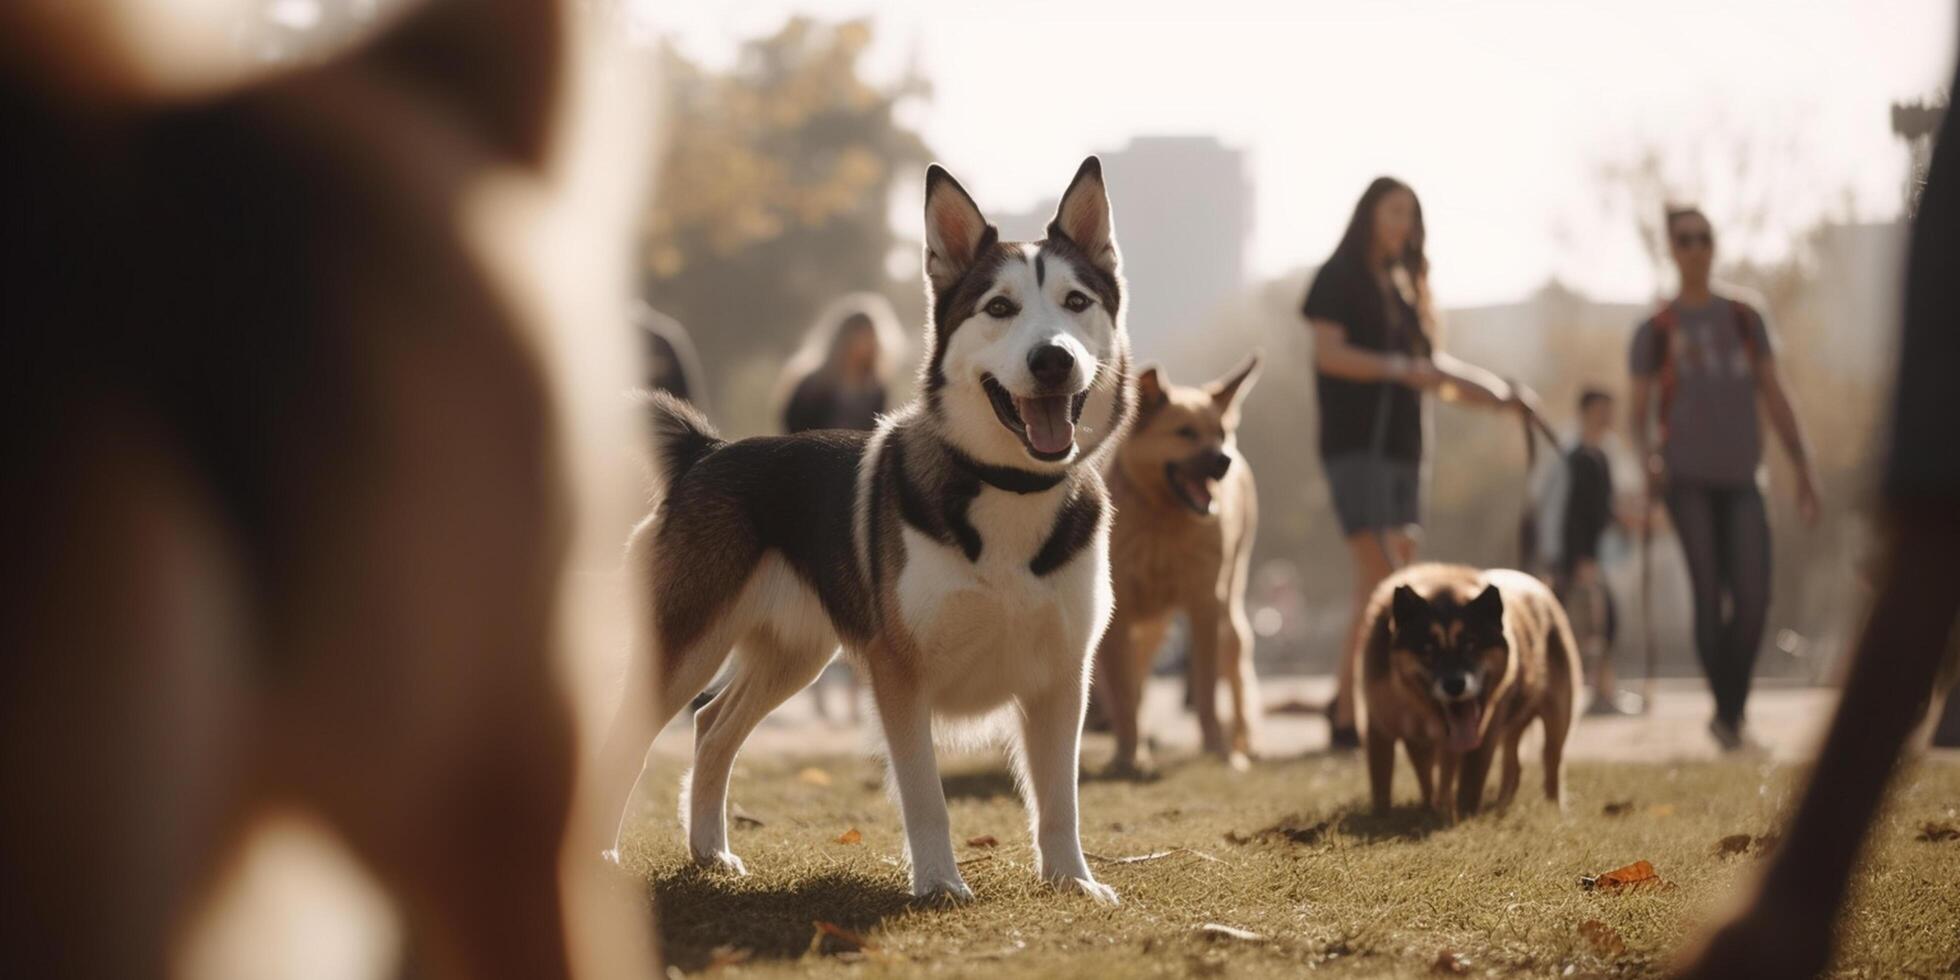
1200,490
1047,422
1462,718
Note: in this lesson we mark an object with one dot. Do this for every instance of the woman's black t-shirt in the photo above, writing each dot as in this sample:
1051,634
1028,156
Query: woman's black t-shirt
1351,411
819,403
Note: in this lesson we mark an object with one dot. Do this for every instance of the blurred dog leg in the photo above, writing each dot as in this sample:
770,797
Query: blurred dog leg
1785,930
119,697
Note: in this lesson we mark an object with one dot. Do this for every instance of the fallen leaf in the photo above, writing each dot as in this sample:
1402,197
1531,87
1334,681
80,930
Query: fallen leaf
1296,707
849,941
1286,830
726,956
814,776
1604,938
1619,809
743,818
1932,832
1451,962
1732,844
851,836
985,840
1214,930
1639,874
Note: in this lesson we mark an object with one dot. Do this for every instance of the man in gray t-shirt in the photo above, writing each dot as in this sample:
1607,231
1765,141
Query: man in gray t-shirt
1714,434
1700,368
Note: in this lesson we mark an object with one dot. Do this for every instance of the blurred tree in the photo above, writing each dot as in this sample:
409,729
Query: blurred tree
775,198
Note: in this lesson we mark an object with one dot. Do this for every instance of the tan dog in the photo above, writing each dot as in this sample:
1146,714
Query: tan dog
287,510
1455,664
1186,511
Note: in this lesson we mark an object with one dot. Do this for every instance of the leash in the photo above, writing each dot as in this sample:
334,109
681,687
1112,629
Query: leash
1534,426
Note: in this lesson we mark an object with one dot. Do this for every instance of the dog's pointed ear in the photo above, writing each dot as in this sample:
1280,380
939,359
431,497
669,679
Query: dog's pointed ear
1487,607
1408,611
496,65
1083,217
956,232
1150,388
1229,391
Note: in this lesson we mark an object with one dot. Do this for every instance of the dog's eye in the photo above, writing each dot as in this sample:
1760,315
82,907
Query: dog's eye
1076,301
1000,308
1188,433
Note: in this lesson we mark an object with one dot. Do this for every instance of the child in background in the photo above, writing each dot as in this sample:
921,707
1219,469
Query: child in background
1589,514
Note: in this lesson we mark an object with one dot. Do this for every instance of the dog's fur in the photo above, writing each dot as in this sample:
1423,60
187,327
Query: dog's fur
959,557
1456,663
1186,512
284,510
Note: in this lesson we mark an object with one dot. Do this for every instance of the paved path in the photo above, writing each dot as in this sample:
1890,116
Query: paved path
1787,720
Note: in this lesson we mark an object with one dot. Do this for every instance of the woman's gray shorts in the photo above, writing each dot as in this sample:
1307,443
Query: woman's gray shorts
1372,493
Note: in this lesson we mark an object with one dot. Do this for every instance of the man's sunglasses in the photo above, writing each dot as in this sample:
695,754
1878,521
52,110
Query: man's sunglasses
1705,239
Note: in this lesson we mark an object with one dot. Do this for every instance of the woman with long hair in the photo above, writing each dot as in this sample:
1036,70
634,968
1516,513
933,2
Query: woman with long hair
841,376
1375,355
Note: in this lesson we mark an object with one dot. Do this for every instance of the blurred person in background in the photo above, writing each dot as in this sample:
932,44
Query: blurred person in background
1375,355
1700,367
841,378
1588,516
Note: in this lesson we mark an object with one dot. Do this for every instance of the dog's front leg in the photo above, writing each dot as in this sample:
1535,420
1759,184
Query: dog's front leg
1051,738
907,720
1470,779
1447,764
1381,769
1119,683
1203,676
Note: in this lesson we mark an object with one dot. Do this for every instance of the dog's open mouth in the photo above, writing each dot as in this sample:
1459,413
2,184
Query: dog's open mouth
1045,423
1191,488
1463,724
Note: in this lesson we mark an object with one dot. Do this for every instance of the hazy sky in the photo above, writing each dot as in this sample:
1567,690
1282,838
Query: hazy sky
1498,112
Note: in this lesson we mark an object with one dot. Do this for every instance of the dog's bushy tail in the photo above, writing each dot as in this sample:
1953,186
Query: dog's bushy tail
681,436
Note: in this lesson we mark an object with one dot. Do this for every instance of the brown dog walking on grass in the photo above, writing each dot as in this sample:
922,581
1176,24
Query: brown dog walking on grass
1186,511
1456,663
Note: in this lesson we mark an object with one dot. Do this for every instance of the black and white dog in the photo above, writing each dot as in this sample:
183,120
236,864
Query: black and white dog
959,553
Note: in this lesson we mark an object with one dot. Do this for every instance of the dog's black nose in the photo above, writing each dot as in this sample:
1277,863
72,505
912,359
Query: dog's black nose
1220,463
1051,365
1455,684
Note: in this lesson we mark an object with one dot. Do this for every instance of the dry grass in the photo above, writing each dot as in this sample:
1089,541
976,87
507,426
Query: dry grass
1331,889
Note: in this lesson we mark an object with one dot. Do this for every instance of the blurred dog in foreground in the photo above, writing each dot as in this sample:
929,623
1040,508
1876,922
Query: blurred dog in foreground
1791,918
959,552
285,508
1457,662
1186,512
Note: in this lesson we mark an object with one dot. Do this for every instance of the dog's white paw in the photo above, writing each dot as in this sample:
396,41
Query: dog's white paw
1085,885
941,890
724,862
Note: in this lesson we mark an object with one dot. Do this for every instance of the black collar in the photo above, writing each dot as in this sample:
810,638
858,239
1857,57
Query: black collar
1008,478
